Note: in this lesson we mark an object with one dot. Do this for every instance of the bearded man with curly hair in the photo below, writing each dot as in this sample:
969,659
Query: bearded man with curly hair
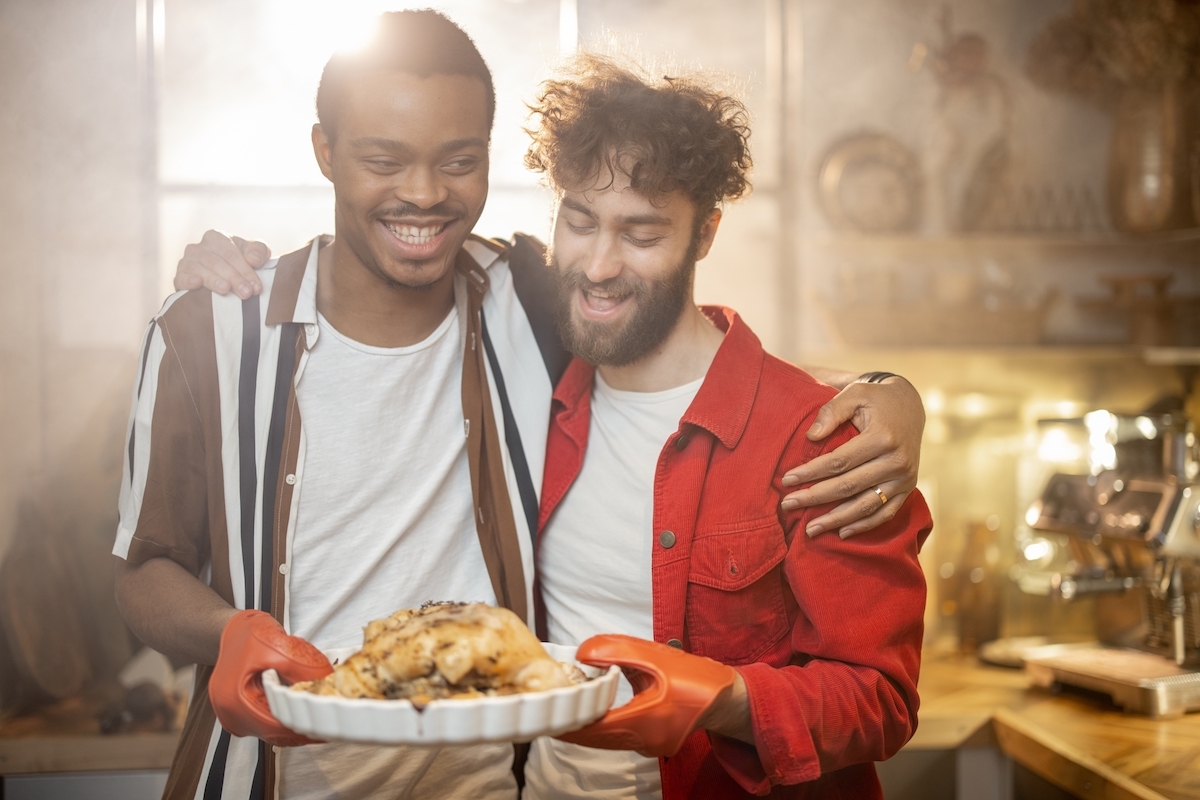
764,661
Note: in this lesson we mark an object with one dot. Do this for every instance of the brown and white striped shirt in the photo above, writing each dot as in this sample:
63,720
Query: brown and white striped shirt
215,451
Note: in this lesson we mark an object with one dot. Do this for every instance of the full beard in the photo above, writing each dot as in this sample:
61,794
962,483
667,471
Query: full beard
657,306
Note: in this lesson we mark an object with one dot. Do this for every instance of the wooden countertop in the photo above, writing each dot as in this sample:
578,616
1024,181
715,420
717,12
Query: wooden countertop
1079,743
66,738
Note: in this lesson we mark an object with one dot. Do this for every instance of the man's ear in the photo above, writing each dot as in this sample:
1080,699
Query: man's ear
708,232
323,150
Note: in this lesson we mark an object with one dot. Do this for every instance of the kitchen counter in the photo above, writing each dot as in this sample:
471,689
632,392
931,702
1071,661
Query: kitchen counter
66,738
1077,742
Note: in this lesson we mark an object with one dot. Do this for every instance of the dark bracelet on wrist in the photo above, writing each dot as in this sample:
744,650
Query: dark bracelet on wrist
875,377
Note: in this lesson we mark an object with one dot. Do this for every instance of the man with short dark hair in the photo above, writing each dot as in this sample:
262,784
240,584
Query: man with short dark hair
336,449
769,661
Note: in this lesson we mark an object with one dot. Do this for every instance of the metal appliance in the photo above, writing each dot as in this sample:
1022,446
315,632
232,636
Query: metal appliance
1134,538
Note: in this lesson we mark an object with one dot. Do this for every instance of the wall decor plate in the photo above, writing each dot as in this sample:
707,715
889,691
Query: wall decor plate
871,182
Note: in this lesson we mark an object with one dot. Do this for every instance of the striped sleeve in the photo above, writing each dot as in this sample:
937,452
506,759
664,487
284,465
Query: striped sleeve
137,439
164,489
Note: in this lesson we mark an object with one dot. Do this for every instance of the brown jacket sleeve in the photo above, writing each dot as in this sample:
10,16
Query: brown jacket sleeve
176,404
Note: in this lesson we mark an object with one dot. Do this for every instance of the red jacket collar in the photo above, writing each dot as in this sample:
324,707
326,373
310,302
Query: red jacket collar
722,406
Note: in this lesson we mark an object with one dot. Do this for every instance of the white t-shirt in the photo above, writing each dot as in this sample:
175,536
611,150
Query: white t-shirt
382,525
594,563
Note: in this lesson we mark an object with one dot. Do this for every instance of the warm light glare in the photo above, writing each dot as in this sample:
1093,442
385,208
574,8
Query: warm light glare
317,29
1102,436
1037,550
1033,513
973,405
1066,408
1146,427
259,133
1056,447
568,26
935,401
160,26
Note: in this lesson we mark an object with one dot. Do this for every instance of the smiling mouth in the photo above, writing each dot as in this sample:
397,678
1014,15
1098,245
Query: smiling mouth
600,301
416,235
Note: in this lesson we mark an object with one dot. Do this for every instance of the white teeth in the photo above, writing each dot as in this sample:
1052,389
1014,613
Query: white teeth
411,234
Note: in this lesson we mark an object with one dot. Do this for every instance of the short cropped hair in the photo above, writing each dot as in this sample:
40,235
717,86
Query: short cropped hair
420,42
667,135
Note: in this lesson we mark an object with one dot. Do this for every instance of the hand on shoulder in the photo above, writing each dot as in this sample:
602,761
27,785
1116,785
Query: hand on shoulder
873,473
221,263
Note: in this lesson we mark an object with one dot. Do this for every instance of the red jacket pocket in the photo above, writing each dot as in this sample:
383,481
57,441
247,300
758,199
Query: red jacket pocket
735,599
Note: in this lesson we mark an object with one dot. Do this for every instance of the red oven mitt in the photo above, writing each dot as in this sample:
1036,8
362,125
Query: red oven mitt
672,689
251,643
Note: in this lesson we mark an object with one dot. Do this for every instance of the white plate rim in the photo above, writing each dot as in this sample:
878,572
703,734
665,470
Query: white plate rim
591,700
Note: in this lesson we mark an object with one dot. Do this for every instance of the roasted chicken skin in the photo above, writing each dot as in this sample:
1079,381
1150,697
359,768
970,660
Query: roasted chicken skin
444,650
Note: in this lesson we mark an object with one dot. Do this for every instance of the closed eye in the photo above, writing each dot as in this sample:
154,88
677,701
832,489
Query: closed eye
461,166
382,165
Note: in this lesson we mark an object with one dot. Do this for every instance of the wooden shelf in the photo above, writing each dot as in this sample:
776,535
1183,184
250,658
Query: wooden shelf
1165,239
1173,356
1041,352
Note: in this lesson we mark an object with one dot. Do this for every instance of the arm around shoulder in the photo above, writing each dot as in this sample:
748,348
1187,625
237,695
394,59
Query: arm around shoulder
848,694
873,472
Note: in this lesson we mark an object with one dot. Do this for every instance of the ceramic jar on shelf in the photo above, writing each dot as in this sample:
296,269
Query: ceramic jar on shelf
1149,185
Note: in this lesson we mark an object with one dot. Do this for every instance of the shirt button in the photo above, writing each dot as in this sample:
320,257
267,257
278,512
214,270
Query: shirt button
290,480
283,569
666,539
310,329
678,645
683,440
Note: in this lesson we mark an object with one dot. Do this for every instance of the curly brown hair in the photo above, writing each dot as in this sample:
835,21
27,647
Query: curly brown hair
667,135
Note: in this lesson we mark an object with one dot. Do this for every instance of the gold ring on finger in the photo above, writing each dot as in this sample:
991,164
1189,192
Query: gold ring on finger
882,496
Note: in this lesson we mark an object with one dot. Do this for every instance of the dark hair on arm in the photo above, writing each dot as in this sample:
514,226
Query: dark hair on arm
668,134
422,42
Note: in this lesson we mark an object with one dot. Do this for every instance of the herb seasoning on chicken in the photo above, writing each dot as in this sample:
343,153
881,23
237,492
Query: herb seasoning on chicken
444,650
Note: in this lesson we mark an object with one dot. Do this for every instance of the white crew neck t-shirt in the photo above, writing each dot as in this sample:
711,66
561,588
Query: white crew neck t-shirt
594,565
382,525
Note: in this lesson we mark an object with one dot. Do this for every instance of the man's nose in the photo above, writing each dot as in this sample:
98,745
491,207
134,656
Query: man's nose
421,186
603,260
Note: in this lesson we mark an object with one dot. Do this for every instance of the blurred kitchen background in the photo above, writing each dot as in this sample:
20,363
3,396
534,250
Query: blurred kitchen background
998,199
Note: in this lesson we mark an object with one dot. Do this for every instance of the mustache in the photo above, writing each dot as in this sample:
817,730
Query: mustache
569,280
415,212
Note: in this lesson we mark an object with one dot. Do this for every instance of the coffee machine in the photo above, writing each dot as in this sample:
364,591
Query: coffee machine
1133,530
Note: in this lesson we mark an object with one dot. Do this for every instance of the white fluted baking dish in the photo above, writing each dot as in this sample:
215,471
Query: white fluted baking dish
507,718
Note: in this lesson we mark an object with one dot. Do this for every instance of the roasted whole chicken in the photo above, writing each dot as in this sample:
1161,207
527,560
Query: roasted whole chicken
443,650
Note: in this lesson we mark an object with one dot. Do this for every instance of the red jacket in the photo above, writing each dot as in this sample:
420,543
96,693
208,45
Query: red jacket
826,633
